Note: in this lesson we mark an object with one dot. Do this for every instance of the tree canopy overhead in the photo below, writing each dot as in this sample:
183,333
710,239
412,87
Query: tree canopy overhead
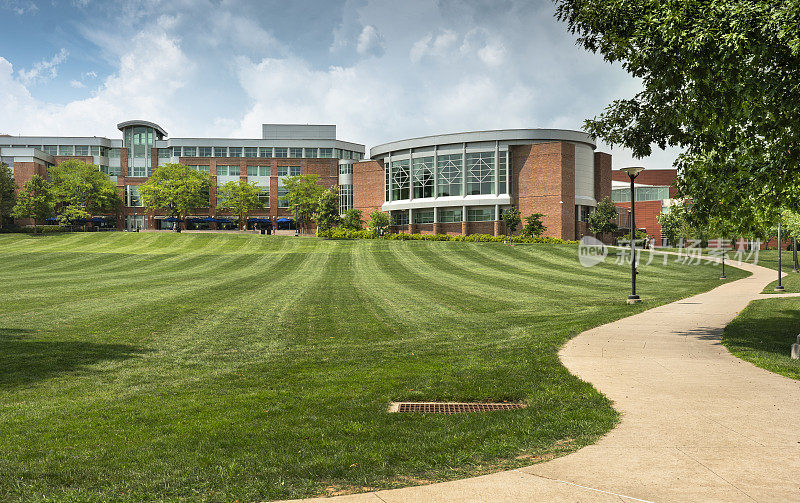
720,80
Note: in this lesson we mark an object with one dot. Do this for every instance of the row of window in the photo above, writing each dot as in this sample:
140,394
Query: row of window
140,149
446,215
279,152
132,197
418,177
78,150
623,195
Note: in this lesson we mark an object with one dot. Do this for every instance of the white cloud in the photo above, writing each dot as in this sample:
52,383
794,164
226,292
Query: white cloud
440,45
142,87
19,7
370,42
77,84
43,70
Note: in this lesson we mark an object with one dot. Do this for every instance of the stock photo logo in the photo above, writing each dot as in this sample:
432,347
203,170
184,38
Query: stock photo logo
591,251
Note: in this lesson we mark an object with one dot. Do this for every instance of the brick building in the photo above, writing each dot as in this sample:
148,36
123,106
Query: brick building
283,150
451,184
654,192
460,183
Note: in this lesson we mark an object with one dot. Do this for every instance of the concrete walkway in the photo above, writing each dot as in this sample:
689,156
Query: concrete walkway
698,424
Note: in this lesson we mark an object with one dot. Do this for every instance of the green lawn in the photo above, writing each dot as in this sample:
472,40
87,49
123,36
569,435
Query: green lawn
210,367
763,335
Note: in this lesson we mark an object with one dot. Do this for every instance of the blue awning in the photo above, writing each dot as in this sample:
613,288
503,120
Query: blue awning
172,219
209,219
224,220
97,220
284,219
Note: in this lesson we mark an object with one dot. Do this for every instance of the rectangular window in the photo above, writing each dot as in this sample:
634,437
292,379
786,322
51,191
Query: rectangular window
138,171
114,153
164,153
295,152
450,215
283,197
132,196
193,152
503,172
281,152
201,151
326,153
311,153
582,212
345,169
111,170
65,150
346,154
400,180
176,151
337,153
230,170
95,150
220,151
265,151
81,150
480,173
450,175
480,214
400,217
345,198
203,168
288,170
251,151
235,152
263,196
423,177
386,182
423,217
53,149
252,171
263,171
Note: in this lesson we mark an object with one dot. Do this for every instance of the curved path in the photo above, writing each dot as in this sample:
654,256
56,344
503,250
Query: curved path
698,424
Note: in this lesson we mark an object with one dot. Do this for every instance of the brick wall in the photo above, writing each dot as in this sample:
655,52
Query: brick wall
602,176
450,228
480,228
368,185
647,213
543,181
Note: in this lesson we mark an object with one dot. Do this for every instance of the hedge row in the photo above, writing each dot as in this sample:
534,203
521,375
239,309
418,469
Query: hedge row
339,233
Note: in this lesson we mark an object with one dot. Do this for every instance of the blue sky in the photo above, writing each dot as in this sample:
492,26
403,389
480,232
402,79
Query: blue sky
381,70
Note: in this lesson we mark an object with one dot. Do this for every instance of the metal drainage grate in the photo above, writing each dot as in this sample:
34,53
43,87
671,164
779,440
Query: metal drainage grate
451,407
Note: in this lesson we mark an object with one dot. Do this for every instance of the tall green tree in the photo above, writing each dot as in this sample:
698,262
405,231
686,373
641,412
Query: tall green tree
534,225
379,221
7,192
240,198
35,200
304,192
353,220
327,213
176,189
82,190
512,219
603,220
719,80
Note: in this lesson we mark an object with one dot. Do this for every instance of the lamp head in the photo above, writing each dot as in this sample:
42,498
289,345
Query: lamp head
632,171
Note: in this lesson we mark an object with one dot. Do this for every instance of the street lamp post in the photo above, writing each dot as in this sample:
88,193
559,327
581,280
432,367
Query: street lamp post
779,288
795,267
633,172
723,261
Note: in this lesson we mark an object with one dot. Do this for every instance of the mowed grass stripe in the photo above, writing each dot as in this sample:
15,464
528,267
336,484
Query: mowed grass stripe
235,367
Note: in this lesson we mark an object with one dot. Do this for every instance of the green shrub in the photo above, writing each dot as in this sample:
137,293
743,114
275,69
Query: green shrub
340,233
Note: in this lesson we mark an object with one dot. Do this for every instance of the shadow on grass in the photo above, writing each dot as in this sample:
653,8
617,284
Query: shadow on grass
24,361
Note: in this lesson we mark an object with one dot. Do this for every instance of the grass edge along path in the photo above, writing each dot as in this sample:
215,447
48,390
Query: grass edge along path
138,367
